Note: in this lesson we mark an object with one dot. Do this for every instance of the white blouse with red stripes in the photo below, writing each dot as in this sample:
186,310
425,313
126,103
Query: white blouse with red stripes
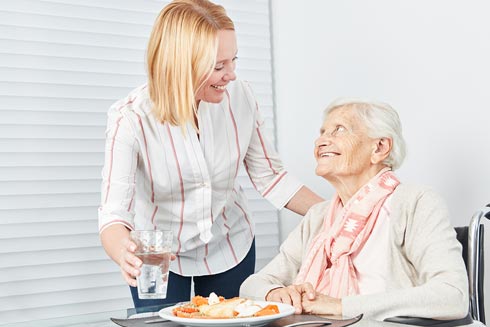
162,176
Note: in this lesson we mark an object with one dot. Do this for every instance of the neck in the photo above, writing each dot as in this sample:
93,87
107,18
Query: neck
347,186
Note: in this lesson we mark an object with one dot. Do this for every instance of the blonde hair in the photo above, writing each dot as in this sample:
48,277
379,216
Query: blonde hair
181,56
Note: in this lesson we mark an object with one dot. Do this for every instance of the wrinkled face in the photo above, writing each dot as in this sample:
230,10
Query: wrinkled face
343,148
224,72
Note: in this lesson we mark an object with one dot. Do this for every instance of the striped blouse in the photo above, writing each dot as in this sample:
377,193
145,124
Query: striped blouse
159,176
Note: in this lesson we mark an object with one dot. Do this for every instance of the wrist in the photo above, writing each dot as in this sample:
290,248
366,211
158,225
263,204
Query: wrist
268,295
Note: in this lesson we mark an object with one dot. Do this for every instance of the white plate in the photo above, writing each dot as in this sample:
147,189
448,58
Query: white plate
284,310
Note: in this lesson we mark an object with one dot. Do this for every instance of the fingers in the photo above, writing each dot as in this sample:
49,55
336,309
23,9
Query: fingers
129,245
128,278
288,295
129,263
166,261
308,290
130,270
295,296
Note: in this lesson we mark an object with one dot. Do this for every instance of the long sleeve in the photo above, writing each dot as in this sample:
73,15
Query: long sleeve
263,164
119,173
433,262
283,269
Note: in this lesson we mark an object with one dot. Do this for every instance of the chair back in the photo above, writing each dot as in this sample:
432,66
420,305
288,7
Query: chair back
472,239
476,299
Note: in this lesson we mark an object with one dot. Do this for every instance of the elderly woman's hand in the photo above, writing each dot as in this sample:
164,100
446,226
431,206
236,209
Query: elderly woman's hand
292,295
322,305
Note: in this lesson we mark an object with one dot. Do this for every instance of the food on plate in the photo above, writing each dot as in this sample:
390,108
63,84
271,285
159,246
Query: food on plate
217,307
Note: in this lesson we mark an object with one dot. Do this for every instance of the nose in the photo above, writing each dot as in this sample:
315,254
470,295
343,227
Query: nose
323,140
229,75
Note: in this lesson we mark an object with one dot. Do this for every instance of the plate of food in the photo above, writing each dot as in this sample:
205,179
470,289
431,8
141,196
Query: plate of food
218,311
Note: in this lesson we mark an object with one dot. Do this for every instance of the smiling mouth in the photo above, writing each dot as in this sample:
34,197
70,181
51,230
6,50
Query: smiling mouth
219,87
328,154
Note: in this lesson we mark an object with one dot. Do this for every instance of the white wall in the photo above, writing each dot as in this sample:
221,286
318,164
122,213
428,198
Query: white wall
429,59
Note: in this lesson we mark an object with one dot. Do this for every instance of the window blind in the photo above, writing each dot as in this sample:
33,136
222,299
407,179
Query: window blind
62,64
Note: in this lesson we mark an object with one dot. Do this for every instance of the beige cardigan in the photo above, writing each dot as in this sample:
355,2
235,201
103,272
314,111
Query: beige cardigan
427,273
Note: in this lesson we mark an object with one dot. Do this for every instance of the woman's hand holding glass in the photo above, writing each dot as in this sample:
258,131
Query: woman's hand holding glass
129,262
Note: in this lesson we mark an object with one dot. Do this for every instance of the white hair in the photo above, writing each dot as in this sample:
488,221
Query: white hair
381,121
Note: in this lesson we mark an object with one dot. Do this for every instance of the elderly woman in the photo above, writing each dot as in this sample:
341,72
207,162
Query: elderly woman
379,247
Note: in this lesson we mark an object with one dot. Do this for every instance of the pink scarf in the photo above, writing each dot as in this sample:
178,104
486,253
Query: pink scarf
345,230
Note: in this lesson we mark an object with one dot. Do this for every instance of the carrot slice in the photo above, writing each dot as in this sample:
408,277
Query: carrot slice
270,309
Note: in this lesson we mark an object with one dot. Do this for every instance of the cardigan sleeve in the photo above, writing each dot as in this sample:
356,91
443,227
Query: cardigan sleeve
440,285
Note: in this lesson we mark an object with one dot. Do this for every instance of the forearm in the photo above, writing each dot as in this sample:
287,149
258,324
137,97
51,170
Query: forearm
280,271
257,286
303,200
113,240
432,300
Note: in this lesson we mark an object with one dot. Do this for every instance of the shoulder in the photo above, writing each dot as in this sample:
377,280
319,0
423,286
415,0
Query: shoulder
417,205
130,112
309,226
414,194
135,105
318,208
315,215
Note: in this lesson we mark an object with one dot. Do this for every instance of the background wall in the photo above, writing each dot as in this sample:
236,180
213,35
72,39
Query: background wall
428,59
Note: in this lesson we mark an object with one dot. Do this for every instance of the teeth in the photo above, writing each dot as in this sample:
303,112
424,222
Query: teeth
219,87
327,154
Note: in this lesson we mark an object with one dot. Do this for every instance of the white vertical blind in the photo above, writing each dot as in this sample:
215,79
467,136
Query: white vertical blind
62,64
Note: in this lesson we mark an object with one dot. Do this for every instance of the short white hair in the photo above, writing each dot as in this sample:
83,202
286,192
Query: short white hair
381,121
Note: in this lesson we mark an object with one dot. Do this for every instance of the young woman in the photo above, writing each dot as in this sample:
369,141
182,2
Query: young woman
174,147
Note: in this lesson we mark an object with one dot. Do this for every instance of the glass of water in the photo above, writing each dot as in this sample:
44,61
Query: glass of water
154,248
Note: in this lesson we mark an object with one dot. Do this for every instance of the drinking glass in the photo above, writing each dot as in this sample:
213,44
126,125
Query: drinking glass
154,248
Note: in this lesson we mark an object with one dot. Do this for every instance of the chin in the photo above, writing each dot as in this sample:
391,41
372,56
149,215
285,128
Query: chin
325,173
216,99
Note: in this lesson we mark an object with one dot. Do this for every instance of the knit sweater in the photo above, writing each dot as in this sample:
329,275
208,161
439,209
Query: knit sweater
427,276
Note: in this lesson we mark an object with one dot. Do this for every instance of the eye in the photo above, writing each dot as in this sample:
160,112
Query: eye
338,130
221,65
